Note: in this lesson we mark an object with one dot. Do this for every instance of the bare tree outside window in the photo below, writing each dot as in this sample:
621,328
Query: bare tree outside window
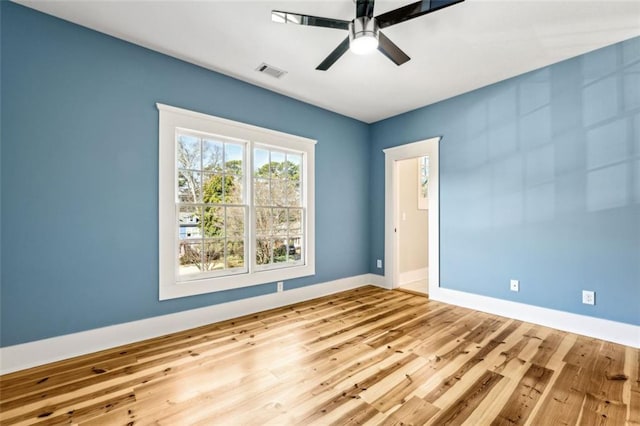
211,204
279,213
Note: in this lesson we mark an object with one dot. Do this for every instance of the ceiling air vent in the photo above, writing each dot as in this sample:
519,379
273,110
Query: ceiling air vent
270,70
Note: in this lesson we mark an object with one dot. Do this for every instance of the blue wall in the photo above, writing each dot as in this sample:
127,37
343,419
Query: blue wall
79,175
540,181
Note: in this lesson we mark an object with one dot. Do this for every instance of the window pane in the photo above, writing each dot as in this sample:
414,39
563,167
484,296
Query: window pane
260,163
189,258
295,248
233,189
233,158
188,155
212,188
263,251
263,221
261,190
213,222
294,166
235,222
280,250
277,165
279,192
293,193
213,255
277,182
188,186
279,224
295,221
189,222
235,254
212,155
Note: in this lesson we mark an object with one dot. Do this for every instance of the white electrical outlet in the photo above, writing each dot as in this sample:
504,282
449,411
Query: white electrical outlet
379,263
280,286
588,297
514,285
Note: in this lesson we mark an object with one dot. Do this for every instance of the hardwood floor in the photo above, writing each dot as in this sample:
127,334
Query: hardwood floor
363,356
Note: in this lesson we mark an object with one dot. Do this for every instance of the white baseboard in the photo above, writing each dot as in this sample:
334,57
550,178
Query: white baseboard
31,354
612,331
27,355
411,276
378,281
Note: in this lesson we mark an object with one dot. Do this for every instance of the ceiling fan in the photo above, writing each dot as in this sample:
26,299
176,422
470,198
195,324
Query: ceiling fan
364,31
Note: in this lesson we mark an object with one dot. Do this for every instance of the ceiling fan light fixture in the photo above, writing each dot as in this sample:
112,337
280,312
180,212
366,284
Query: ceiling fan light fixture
363,45
363,35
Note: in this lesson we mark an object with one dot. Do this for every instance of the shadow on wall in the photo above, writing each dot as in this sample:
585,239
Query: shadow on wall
525,154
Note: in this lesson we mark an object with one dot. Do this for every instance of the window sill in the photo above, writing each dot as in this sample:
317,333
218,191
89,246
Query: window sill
171,289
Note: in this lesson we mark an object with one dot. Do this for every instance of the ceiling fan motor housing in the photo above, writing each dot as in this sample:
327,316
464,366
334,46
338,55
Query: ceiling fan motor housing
363,34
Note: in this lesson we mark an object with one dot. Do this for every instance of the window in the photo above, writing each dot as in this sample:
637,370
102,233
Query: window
235,204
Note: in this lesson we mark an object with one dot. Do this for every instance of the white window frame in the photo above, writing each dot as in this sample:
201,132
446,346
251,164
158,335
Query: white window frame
170,120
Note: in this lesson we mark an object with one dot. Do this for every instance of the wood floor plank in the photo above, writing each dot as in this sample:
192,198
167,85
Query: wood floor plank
422,321
484,329
353,392
632,369
547,348
416,411
397,395
518,407
358,415
441,316
607,378
584,353
598,411
352,381
458,411
445,334
512,352
452,379
634,407
564,403
363,356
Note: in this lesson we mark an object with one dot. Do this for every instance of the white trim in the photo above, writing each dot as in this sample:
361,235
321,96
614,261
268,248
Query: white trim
27,355
407,277
172,118
428,147
378,281
612,331
212,124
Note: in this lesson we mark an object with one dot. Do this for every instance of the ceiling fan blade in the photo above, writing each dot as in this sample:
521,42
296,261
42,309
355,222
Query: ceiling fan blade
413,10
334,56
313,21
364,8
391,51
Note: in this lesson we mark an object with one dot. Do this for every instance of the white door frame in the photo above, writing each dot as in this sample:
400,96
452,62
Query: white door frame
428,147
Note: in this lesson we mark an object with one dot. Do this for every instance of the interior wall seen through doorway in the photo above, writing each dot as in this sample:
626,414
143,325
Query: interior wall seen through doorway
413,222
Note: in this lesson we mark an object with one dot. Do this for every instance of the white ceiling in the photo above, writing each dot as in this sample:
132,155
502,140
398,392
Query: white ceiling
453,51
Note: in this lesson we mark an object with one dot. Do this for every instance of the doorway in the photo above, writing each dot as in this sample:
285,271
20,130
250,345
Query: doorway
412,212
398,270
